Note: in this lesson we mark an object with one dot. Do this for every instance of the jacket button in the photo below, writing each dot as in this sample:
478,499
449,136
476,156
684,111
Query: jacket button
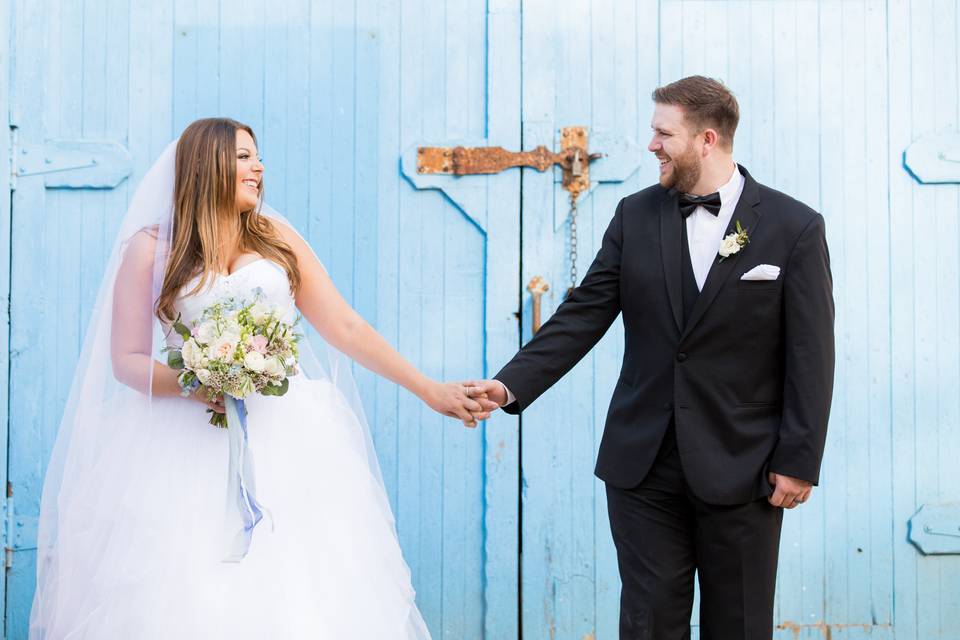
668,406
681,356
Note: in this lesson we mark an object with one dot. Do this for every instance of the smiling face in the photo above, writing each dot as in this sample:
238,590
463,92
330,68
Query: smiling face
677,147
249,172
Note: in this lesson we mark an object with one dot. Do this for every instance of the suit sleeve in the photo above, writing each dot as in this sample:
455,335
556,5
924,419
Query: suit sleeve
578,324
809,356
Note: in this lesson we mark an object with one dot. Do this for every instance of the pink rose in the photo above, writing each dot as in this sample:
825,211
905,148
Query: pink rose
259,344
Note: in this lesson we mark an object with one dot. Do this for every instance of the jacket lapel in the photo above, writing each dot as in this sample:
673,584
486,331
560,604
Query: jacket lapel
670,230
749,217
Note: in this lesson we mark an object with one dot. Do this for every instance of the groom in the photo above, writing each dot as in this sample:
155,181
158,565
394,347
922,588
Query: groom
718,420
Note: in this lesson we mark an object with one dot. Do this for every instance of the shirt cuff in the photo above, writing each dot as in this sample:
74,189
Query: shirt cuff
510,397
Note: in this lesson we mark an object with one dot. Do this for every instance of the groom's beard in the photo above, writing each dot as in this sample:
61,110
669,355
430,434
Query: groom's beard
685,173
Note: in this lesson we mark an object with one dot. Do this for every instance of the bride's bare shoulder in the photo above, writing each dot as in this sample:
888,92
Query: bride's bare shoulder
289,235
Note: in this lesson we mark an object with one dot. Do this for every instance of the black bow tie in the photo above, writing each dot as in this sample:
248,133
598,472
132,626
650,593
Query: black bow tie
689,204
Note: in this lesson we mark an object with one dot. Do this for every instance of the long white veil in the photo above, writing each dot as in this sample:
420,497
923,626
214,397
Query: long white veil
96,452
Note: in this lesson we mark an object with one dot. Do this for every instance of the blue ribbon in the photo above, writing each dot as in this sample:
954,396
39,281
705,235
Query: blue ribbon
241,490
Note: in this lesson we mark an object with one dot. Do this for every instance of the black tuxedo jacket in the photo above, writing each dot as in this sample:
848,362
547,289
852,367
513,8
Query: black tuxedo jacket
747,379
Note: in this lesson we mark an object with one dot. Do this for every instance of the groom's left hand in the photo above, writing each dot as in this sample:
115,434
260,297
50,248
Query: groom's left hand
788,492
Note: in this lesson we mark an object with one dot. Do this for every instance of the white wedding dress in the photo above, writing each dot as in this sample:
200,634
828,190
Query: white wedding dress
325,564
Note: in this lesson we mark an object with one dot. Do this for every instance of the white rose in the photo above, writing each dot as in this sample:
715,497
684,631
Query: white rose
232,327
207,332
190,353
203,375
274,368
254,361
260,313
729,246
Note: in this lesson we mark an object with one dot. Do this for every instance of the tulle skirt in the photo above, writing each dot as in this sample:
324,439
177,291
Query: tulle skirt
140,542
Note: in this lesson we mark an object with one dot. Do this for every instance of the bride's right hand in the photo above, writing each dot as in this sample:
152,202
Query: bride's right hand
202,396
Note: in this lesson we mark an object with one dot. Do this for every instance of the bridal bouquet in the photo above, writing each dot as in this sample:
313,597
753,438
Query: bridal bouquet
236,348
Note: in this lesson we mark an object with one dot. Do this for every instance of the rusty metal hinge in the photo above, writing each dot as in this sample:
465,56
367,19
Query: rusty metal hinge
19,532
574,157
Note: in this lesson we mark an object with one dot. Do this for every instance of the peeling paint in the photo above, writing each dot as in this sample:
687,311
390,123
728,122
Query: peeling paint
827,629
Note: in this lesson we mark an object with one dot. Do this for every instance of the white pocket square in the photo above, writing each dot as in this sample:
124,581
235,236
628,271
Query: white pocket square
762,272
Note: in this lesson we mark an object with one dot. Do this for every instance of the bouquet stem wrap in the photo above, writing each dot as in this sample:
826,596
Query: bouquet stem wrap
244,512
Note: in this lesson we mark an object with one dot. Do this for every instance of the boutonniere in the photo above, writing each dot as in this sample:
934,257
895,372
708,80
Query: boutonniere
733,243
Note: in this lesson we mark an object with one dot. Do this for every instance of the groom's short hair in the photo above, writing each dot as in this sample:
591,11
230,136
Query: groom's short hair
705,102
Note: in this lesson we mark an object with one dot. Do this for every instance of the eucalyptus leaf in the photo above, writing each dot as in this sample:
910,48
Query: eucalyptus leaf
276,389
182,330
175,360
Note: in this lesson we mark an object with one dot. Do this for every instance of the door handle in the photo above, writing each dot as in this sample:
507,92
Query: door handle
537,287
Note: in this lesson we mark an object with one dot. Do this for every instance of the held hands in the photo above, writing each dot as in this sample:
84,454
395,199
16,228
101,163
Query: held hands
493,390
788,492
458,400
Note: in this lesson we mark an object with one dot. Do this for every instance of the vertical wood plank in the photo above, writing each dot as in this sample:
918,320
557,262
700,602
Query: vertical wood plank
540,59
502,249
283,31
715,43
187,44
432,282
409,510
853,327
364,163
25,423
737,77
7,43
813,534
240,61
902,316
384,409
876,378
944,488
761,89
339,223
924,79
790,585
671,41
693,37
836,575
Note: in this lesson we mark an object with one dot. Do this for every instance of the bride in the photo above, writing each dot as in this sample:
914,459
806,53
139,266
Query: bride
133,523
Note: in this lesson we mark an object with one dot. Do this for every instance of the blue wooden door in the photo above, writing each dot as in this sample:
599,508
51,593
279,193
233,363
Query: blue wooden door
336,92
831,94
505,527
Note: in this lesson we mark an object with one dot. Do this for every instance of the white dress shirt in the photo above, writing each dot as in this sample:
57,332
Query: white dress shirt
704,233
705,230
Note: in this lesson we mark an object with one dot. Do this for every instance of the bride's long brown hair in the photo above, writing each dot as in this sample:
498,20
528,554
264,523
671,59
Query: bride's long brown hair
205,206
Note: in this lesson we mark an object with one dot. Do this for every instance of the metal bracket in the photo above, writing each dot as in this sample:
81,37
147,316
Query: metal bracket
19,532
935,529
461,161
934,158
73,164
472,197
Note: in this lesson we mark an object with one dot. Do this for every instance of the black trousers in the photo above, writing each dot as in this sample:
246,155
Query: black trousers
663,533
